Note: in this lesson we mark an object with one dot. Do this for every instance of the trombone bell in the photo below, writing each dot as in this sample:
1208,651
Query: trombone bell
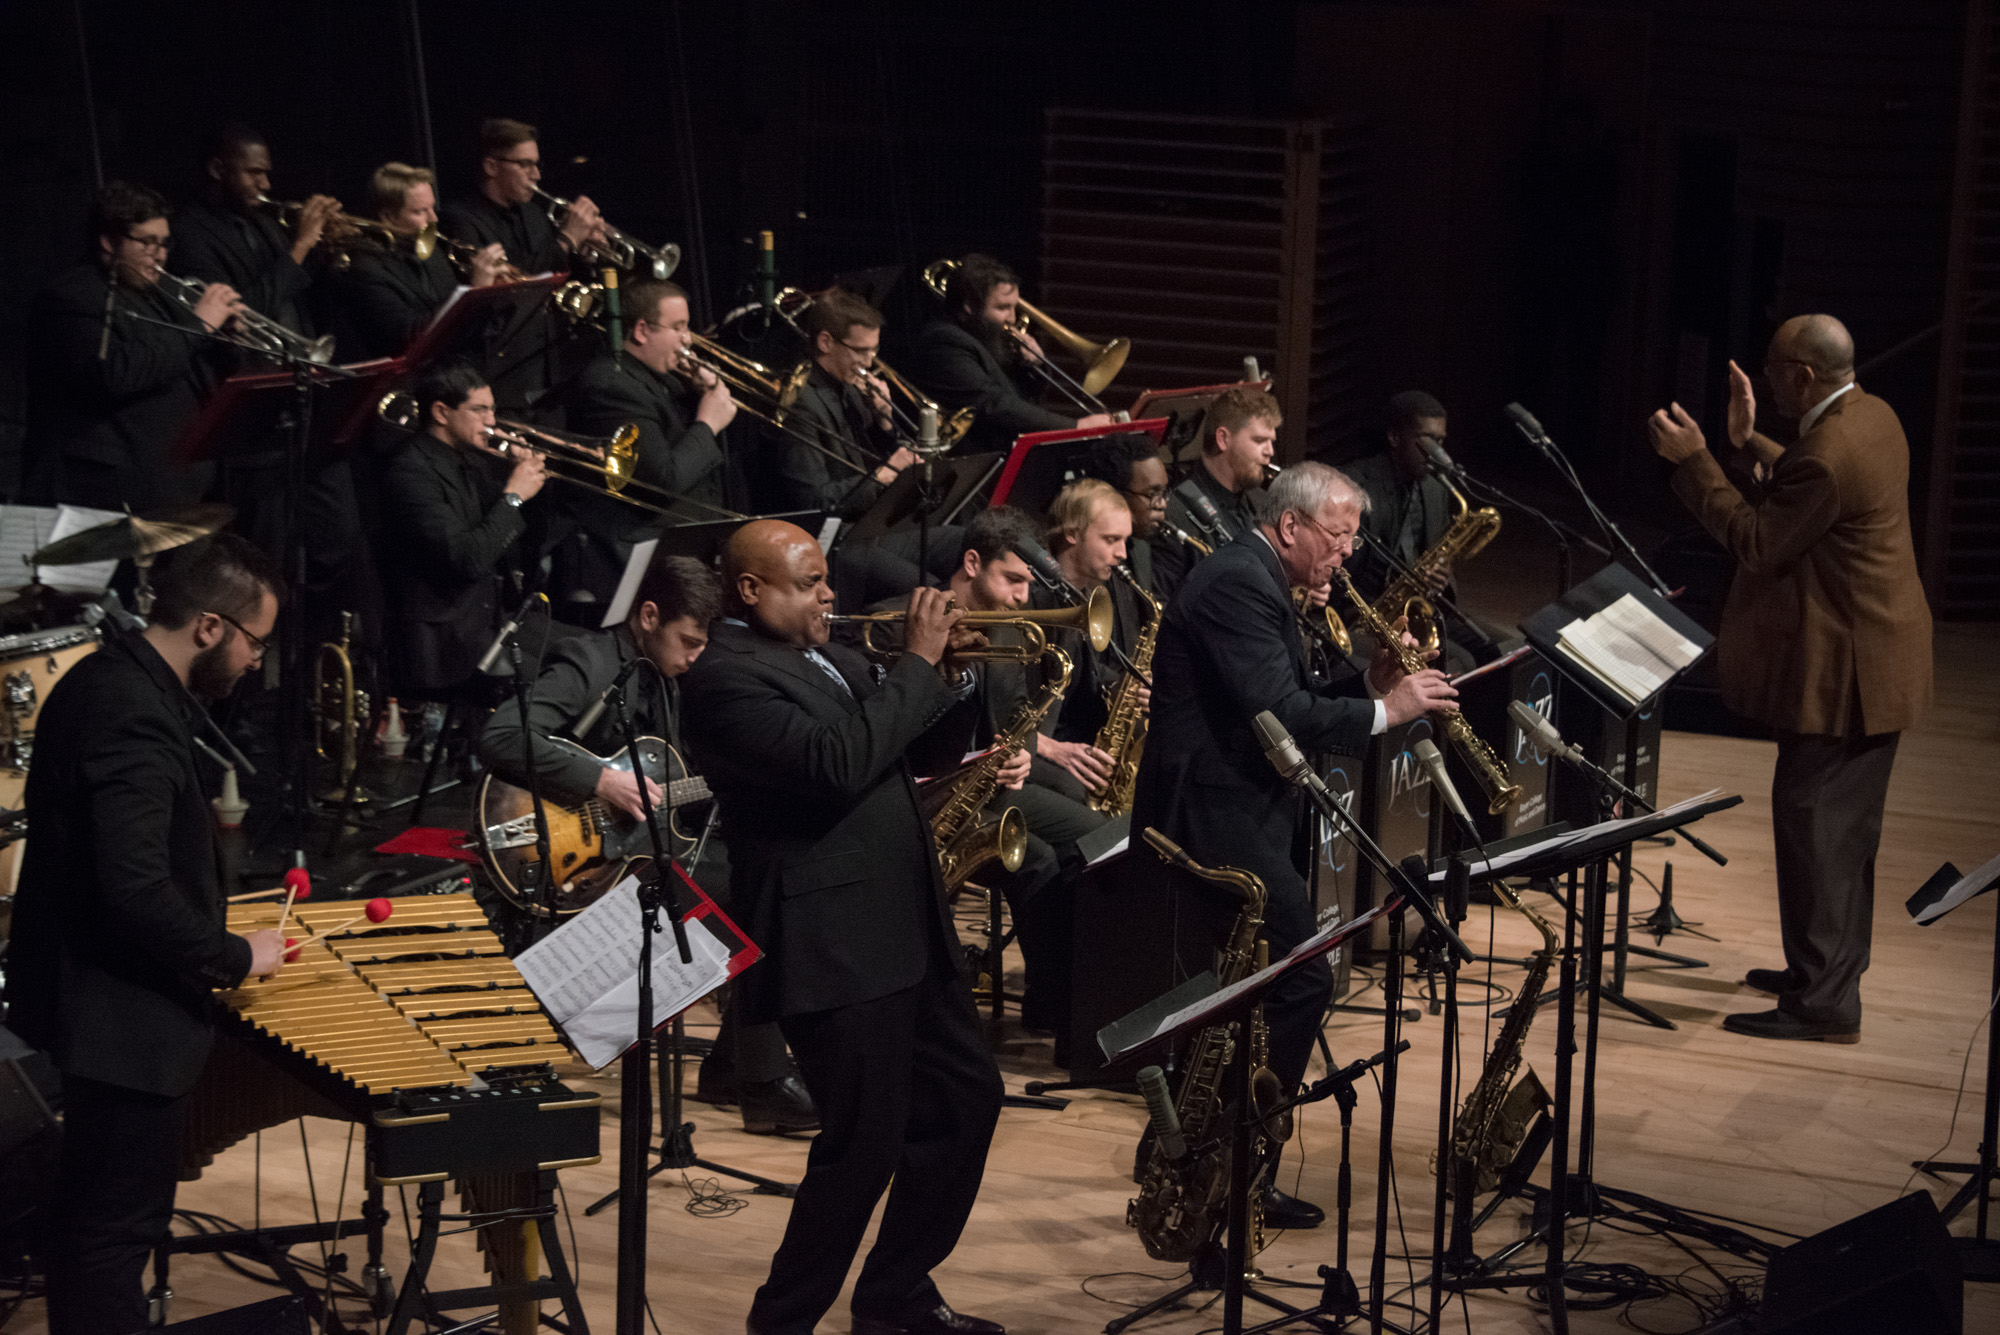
1102,361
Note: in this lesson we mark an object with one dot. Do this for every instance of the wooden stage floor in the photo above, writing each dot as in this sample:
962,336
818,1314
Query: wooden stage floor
1791,1137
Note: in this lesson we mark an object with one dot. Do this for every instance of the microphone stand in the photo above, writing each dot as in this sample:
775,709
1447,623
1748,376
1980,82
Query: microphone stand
1563,533
1539,438
545,890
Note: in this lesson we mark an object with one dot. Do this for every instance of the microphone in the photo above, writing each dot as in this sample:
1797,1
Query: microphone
492,654
1541,733
767,272
1203,509
1432,760
1160,1108
1524,422
1284,754
927,429
588,718
1045,570
1440,459
1251,372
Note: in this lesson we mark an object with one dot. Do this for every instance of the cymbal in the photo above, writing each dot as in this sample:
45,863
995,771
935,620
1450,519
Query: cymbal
140,535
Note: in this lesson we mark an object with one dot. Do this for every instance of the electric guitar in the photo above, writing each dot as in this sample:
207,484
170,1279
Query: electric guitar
591,845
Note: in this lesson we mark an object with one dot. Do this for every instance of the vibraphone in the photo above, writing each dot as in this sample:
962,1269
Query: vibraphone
423,1031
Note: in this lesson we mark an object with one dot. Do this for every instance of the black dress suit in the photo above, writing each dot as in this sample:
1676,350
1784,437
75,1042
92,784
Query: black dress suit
955,368
840,419
108,394
251,253
525,351
1229,649
449,540
385,298
118,939
1235,512
835,878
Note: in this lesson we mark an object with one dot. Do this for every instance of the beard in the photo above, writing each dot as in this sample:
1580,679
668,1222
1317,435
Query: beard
210,677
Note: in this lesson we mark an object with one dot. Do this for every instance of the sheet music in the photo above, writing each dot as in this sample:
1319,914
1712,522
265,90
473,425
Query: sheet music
1628,648
24,530
628,583
1961,890
586,973
1567,838
92,578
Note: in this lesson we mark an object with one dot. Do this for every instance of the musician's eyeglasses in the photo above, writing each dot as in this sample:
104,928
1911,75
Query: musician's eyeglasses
866,354
1154,497
532,166
258,644
1343,542
163,244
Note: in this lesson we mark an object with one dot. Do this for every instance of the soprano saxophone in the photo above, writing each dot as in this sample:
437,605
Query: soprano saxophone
1123,736
1409,593
1485,765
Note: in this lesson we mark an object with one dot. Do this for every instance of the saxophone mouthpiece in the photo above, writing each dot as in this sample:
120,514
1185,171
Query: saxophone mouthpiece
1166,847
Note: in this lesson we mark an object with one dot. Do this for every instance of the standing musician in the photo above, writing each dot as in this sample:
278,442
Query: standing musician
834,875
679,450
523,358
224,236
454,530
1826,638
118,932
386,296
1228,650
109,388
975,358
1409,510
1216,499
668,625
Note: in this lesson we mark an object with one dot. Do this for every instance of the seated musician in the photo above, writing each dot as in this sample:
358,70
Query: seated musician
118,929
387,296
109,388
975,358
1133,467
668,625
225,236
453,531
1228,649
525,356
1409,510
1215,500
680,416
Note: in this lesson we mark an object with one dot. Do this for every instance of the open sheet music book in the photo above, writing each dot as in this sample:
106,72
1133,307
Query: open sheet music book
1628,648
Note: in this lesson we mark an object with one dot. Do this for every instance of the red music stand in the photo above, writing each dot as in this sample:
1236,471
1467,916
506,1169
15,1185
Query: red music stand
1038,457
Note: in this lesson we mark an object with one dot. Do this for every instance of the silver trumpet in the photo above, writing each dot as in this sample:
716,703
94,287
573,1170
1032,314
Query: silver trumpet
259,333
622,248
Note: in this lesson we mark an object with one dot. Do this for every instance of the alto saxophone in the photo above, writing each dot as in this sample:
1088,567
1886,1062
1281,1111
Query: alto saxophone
1183,1203
955,803
1408,594
1485,765
1123,736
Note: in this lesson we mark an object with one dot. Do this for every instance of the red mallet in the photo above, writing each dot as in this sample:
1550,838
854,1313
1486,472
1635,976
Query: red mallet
291,950
298,885
378,911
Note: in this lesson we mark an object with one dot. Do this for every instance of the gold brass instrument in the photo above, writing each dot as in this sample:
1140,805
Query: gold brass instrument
1408,593
1327,628
1184,1203
339,710
255,331
1175,531
622,249
1485,766
1123,736
460,254
1093,618
1496,1115
951,429
421,244
744,376
1101,361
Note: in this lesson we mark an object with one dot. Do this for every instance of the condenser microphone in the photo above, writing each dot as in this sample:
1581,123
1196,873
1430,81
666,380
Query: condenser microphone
1284,754
492,654
588,718
1541,733
1160,1108
1439,457
927,430
1251,372
1203,510
1045,570
1432,760
1524,422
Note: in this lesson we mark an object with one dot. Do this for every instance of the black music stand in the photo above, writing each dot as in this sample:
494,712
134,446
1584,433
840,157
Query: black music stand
703,539
1041,461
959,479
1980,1253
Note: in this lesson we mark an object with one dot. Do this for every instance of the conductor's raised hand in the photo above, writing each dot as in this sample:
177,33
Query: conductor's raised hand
928,627
1742,407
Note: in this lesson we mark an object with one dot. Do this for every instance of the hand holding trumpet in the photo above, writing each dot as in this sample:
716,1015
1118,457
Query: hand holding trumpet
314,219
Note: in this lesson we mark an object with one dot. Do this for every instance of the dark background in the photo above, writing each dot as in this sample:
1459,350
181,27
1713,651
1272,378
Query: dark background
1586,207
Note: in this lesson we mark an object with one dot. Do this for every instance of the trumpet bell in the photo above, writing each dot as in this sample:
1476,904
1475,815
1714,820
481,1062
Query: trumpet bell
664,260
1099,616
398,409
424,244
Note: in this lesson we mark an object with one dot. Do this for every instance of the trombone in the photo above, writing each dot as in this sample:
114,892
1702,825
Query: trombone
1093,616
1101,361
793,302
624,250
256,331
761,392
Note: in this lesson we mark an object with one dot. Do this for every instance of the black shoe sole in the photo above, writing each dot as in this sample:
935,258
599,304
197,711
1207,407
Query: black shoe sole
775,1129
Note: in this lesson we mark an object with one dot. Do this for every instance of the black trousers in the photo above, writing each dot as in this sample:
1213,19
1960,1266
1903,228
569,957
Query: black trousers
906,1091
1295,1007
1827,795
114,1202
1042,898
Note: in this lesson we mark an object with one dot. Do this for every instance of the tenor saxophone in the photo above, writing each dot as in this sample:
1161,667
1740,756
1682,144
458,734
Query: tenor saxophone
1182,1204
1123,736
1485,765
1408,593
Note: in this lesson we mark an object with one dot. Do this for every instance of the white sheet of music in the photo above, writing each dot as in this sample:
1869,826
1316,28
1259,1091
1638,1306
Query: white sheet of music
24,530
586,973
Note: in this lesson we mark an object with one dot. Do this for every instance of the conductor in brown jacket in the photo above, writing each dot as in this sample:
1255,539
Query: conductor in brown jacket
1826,639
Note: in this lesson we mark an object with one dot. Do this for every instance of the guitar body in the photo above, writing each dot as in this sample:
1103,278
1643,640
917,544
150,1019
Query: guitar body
592,846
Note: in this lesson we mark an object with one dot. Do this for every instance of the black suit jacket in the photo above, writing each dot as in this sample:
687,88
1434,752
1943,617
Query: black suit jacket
1406,517
839,418
575,673
676,453
959,371
249,252
450,539
1229,649
118,932
1236,512
833,872
525,347
385,298
100,427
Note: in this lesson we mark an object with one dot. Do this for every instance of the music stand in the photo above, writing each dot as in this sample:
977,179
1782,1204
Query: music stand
704,539
1980,1253
1184,409
962,477
1040,461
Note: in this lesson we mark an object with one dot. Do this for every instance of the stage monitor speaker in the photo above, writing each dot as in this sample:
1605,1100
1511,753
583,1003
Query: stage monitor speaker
273,1316
1892,1269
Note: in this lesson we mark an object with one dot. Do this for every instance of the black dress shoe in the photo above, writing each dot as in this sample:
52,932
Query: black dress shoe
715,1084
776,1107
1784,1024
1775,981
1282,1211
939,1320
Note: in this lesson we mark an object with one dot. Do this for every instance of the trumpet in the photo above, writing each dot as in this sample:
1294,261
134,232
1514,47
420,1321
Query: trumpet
460,254
257,332
422,244
1101,361
622,249
1093,617
340,708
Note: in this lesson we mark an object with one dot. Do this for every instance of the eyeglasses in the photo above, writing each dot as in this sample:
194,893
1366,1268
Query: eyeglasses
1152,496
532,166
1343,542
259,646
868,353
163,244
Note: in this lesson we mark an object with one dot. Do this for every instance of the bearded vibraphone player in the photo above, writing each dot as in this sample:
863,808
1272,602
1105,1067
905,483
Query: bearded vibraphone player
118,932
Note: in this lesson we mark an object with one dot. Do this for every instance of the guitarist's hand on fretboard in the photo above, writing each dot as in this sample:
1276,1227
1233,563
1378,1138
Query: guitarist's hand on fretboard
620,791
